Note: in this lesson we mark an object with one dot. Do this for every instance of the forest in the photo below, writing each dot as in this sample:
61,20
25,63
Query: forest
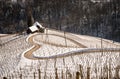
100,18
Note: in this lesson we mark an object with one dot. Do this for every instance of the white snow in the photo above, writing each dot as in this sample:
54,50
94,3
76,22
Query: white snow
53,43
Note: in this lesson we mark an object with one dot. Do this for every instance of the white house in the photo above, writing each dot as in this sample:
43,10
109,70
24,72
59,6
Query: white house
36,27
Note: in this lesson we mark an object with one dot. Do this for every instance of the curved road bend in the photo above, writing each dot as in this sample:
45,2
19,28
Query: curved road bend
29,53
107,50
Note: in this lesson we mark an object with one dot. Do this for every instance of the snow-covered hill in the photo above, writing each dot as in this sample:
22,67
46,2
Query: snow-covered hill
58,55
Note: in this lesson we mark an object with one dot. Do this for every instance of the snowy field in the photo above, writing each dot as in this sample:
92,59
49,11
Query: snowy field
58,55
10,52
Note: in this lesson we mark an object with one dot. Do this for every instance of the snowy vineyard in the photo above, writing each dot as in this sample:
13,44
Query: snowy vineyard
90,66
87,64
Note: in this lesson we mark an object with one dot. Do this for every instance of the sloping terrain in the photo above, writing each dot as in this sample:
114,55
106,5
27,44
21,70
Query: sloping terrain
59,55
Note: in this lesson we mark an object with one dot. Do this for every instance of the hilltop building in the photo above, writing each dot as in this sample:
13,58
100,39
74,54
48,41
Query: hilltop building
36,27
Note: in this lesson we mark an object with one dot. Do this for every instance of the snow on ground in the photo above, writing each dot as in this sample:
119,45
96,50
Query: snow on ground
70,64
48,50
7,37
10,53
3,34
88,41
95,42
53,43
56,40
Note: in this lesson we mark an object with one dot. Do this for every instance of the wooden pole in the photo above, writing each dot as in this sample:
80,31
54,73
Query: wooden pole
69,75
34,75
81,73
65,39
39,74
45,76
4,77
20,76
62,75
56,74
117,72
78,75
88,72
110,72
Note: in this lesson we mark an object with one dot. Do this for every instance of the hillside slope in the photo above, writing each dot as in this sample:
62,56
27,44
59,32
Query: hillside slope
54,54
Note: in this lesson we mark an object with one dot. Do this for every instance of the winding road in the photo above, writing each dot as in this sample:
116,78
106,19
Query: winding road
36,46
29,53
